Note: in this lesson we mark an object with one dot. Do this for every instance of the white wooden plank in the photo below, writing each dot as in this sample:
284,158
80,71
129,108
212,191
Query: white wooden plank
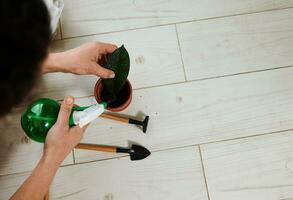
200,112
154,55
174,174
17,152
237,44
83,17
257,168
10,183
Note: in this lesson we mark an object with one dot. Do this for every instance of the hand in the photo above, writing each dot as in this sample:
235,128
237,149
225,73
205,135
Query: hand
82,60
61,139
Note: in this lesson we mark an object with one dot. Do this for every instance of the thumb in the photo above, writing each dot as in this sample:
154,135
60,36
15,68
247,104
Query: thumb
102,72
65,110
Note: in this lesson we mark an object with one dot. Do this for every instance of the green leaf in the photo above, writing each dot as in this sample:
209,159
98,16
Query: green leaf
119,62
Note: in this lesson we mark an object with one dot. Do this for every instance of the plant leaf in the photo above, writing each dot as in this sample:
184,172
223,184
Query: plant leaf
119,63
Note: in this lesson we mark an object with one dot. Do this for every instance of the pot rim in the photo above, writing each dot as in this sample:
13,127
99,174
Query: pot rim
99,88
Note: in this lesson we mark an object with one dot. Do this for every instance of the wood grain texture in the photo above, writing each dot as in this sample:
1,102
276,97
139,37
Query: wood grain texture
199,112
84,17
115,117
47,196
173,174
154,56
256,168
17,152
10,183
95,147
237,44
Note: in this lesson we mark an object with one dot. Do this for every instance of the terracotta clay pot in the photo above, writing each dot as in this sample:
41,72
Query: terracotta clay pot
123,102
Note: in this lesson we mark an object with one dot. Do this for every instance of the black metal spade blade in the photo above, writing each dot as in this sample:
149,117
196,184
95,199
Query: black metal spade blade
145,124
138,152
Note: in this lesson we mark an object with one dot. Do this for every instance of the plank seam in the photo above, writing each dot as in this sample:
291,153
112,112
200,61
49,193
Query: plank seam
199,144
167,149
181,22
204,173
73,156
60,29
181,56
197,80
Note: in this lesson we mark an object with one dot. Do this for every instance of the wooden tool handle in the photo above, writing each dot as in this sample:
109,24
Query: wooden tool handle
96,147
46,197
116,118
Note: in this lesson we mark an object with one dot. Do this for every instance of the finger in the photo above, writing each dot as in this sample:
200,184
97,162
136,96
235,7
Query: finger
79,129
85,127
78,132
106,48
65,111
102,72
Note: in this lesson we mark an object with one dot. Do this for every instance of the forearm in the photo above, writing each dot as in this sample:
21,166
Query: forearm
60,141
54,63
37,184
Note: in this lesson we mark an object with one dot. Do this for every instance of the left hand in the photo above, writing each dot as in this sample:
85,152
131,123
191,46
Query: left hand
60,141
82,60
61,138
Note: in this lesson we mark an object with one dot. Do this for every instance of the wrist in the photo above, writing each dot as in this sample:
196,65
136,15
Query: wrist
54,63
52,158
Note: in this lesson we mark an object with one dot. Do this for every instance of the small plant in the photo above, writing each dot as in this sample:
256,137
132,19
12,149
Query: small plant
119,63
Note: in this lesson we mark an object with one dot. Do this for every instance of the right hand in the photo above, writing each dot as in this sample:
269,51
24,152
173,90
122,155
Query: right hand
61,138
83,60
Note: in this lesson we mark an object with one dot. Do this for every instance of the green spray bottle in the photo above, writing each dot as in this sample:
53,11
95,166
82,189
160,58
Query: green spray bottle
42,114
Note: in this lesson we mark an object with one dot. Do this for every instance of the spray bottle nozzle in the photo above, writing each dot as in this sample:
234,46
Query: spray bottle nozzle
87,115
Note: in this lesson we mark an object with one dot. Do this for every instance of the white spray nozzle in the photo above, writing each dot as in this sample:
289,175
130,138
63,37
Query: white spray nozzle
86,116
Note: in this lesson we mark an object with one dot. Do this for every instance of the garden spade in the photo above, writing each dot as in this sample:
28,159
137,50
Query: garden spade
136,152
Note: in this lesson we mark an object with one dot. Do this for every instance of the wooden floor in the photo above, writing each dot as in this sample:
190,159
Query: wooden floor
216,79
